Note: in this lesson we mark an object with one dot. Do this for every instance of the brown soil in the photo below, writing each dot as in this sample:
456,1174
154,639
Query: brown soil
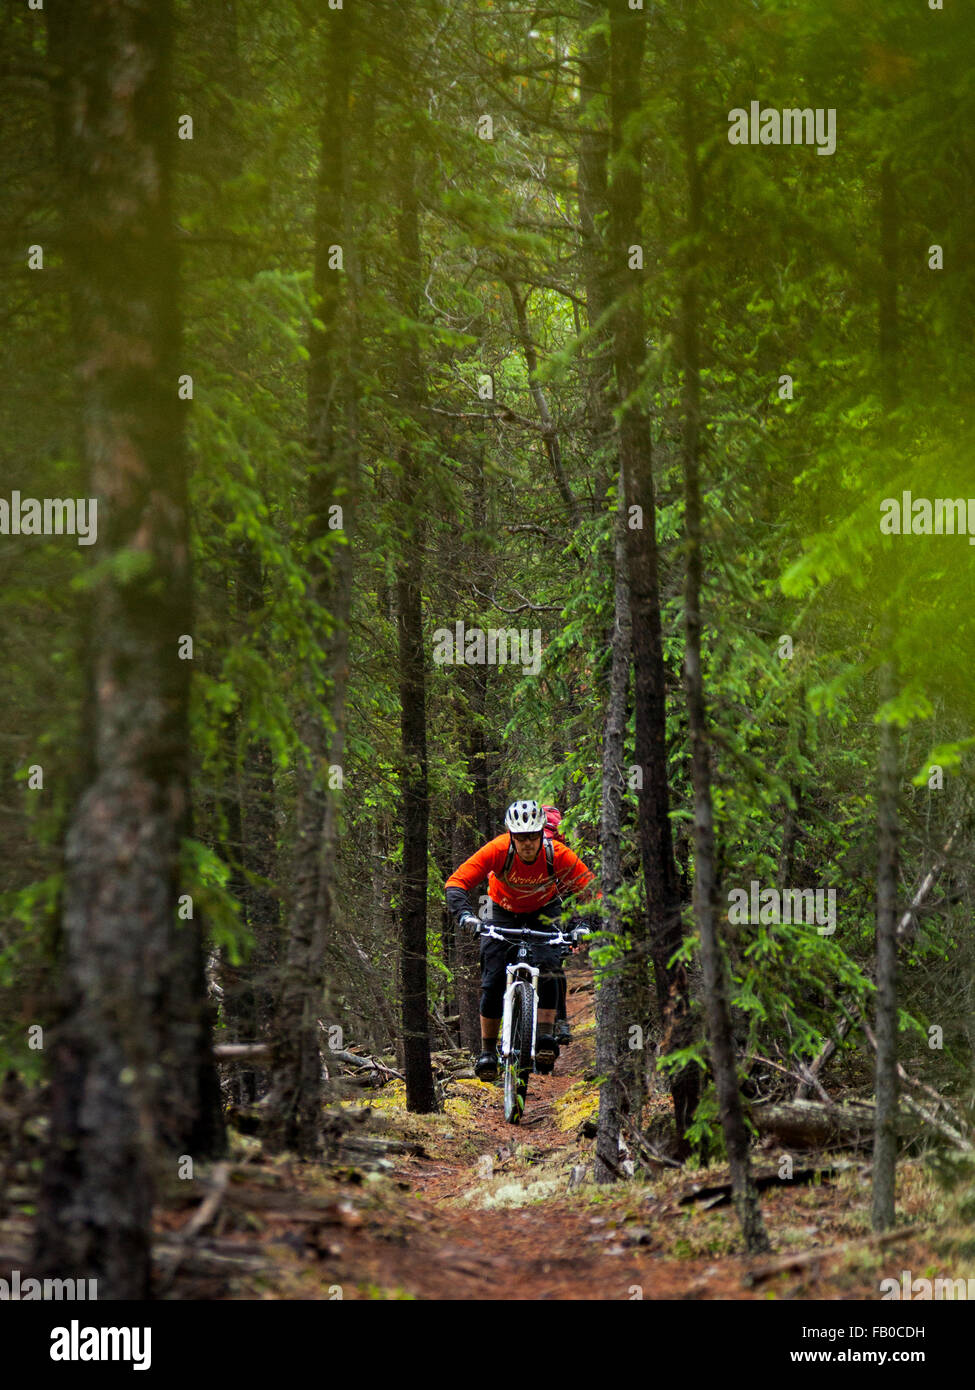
488,1213
486,1210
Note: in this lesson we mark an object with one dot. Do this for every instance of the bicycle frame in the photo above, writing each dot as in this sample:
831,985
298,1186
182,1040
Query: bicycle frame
519,969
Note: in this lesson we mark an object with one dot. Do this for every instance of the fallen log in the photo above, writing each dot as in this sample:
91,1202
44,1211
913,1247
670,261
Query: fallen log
717,1194
372,1144
809,1124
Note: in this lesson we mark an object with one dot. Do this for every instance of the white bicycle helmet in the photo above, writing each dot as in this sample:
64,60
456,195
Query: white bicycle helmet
524,817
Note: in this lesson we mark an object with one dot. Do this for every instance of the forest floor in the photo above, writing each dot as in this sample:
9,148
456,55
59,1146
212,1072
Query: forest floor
465,1206
486,1210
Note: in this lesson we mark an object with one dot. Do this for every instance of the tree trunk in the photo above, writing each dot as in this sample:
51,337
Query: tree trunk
596,271
477,754
885,1134
134,1015
792,815
663,929
420,1092
717,1002
248,1000
332,483
467,973
615,1060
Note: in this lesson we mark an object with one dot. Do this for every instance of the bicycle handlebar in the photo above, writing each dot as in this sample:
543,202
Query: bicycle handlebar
555,937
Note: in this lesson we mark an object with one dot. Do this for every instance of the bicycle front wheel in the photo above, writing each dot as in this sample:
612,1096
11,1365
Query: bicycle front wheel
518,1062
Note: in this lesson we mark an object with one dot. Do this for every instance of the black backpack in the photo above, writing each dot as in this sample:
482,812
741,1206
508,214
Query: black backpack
509,859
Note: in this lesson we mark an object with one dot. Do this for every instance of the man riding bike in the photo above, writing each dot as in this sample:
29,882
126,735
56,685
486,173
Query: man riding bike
526,887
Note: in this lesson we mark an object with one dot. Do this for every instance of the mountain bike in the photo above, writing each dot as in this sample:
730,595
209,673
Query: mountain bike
519,1021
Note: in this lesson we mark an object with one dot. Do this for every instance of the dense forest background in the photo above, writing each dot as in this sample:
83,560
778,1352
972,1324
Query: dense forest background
364,321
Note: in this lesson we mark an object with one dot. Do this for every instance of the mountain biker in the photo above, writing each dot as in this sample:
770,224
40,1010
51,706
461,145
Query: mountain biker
526,886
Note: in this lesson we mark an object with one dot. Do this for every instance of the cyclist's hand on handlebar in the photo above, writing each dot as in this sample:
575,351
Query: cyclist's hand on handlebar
472,923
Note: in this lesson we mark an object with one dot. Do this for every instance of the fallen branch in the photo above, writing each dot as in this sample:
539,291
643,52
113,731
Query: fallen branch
951,1132
940,1126
376,1144
906,928
443,1024
822,1057
180,1252
201,1261
351,1059
796,1076
808,1257
646,1153
235,1052
209,1207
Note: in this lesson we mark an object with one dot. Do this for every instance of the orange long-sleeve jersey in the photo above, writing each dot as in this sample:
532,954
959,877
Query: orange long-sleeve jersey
526,887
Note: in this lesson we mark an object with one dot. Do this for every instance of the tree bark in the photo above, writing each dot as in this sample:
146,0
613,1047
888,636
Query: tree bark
792,815
885,1135
662,929
248,1000
809,1124
467,974
593,201
134,1014
615,1060
420,1092
332,481
717,1001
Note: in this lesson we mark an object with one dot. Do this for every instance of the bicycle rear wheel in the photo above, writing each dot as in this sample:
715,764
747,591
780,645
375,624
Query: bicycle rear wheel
517,1064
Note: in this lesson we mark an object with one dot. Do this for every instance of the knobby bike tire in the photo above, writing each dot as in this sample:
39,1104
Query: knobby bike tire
517,1064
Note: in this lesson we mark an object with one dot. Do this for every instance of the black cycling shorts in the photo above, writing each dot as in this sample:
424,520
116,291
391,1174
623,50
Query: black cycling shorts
495,955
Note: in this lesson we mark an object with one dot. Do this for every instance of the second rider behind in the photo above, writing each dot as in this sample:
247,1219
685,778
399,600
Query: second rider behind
527,886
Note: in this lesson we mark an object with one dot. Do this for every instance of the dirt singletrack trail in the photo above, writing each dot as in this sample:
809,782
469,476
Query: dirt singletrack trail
493,1226
465,1206
493,1211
